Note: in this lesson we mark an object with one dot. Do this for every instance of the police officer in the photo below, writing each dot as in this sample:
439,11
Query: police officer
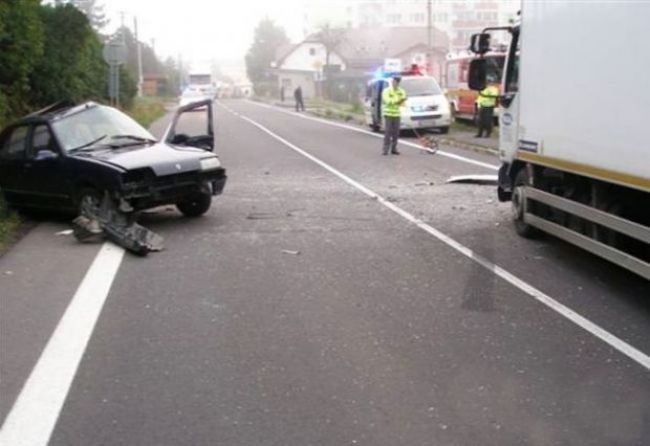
392,98
486,101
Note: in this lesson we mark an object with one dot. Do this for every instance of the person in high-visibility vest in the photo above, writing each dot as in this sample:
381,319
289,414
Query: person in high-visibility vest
392,98
486,101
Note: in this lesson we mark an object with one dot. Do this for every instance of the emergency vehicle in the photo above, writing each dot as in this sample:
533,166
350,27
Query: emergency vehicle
426,106
462,99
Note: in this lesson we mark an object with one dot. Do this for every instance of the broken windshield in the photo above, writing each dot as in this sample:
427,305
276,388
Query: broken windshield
96,124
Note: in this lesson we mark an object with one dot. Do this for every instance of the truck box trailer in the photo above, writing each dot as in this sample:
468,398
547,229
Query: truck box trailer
575,125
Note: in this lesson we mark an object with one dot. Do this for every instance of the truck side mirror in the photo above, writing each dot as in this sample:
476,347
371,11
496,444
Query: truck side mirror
480,43
477,74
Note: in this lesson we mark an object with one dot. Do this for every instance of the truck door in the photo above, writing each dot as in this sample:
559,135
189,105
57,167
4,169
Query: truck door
509,103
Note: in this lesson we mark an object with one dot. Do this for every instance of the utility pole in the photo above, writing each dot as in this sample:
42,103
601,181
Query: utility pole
138,51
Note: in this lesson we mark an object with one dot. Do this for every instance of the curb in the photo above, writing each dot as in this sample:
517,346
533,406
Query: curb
469,146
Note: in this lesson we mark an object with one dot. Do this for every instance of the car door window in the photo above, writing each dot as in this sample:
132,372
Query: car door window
14,146
41,140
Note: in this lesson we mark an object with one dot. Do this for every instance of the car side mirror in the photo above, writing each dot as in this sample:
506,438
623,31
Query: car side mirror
477,74
46,155
480,43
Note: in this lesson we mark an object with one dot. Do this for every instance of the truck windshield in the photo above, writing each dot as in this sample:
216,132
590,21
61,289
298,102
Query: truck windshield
200,79
96,124
494,69
420,86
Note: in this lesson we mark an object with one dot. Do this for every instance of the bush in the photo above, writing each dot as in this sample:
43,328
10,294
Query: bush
9,223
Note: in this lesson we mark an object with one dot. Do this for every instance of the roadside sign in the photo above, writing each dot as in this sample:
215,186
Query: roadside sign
392,65
115,53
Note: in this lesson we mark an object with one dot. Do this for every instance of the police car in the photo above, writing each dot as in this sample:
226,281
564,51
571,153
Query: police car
426,107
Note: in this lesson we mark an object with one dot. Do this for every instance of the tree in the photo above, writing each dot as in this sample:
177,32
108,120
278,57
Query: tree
94,12
73,67
267,39
21,47
331,38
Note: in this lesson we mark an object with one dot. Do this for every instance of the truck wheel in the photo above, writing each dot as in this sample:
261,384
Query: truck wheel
523,229
195,205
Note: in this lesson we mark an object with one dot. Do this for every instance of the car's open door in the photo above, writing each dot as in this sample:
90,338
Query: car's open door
192,129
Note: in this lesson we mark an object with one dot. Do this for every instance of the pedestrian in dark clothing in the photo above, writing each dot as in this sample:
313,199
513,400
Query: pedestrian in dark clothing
297,94
282,94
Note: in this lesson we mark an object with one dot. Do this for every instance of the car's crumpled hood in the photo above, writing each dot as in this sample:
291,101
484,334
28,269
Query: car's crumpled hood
162,158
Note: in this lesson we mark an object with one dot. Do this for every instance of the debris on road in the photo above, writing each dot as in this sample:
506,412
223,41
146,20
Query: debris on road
287,251
425,183
105,220
9,273
459,207
263,216
65,232
474,179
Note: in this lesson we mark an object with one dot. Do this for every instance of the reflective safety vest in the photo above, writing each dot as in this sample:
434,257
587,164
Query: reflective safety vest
487,97
390,99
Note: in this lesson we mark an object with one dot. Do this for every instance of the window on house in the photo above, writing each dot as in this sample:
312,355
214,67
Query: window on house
312,51
394,19
417,18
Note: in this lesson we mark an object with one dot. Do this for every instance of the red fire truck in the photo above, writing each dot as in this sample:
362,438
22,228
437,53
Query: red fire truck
461,99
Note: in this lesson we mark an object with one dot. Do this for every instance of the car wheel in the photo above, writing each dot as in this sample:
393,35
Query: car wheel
443,130
90,196
522,228
195,205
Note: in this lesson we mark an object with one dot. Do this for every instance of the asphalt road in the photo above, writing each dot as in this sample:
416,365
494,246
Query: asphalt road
304,310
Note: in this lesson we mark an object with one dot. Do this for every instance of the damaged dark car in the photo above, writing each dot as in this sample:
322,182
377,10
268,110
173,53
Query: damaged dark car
63,156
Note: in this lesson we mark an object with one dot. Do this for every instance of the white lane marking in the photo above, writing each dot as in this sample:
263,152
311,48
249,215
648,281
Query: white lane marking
36,410
366,132
615,342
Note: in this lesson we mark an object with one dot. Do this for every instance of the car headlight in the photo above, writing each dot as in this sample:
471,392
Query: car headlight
210,163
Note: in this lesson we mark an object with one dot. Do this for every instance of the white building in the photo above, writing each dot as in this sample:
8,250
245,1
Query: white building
456,18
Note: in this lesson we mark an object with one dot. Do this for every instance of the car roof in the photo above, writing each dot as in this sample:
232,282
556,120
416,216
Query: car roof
54,112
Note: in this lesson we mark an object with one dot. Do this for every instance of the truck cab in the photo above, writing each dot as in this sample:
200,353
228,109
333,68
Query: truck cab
569,167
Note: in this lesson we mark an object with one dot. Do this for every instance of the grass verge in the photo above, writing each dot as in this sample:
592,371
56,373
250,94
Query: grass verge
9,224
146,110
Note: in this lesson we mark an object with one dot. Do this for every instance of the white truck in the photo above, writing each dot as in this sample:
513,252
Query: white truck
574,128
